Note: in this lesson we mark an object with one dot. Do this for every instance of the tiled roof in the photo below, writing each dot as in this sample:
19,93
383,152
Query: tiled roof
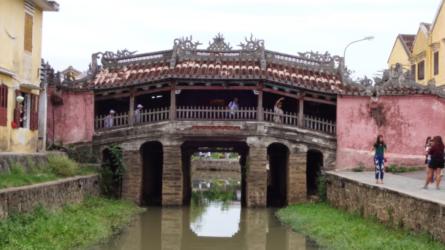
186,62
133,74
407,41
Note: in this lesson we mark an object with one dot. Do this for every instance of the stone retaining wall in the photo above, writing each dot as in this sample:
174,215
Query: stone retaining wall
388,206
51,195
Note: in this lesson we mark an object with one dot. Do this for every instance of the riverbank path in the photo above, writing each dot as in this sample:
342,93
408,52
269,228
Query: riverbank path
407,183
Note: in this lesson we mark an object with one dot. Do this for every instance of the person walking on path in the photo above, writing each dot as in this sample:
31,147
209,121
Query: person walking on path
428,144
278,110
437,161
379,158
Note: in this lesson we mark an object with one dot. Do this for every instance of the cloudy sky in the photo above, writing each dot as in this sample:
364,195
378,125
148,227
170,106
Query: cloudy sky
82,27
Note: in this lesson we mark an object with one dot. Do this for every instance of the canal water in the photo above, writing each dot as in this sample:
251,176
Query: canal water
215,225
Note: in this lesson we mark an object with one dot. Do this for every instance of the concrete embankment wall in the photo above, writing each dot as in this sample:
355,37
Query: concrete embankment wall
50,195
207,169
388,206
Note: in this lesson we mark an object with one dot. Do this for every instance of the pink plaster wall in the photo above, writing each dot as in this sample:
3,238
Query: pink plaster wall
409,120
74,119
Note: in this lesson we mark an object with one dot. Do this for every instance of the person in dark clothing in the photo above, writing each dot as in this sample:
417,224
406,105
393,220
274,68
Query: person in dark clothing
379,158
437,161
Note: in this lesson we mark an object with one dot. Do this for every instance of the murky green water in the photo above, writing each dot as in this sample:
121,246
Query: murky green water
213,226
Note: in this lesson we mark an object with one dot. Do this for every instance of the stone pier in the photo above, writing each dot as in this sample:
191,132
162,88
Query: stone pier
172,176
132,180
296,188
256,177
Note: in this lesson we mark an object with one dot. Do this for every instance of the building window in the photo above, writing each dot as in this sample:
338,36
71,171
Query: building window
413,72
28,32
421,70
436,63
3,105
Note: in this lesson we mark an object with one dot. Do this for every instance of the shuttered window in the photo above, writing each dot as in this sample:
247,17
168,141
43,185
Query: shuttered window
436,63
421,70
28,32
34,119
18,111
413,72
3,105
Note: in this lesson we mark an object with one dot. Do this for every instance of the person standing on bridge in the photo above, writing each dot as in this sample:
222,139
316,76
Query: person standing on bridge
278,110
109,119
233,106
137,114
379,158
437,161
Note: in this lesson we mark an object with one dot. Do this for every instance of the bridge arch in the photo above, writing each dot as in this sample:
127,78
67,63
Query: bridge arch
314,165
152,167
277,172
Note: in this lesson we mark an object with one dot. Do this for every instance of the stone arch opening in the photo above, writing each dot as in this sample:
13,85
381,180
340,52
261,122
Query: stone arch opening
191,148
314,164
152,165
278,157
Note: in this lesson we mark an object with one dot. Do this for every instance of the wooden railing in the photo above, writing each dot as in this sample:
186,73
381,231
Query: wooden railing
285,118
153,115
215,113
186,113
118,120
319,124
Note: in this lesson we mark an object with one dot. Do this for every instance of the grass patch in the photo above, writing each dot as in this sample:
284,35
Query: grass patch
58,167
74,226
399,169
335,229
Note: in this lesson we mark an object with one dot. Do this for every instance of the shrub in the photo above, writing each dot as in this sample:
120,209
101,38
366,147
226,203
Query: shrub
321,181
62,165
17,169
112,172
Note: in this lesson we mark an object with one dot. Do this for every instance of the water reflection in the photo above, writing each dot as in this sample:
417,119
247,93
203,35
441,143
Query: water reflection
216,225
216,219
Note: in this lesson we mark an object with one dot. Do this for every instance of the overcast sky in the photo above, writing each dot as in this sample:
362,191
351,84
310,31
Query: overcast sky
82,27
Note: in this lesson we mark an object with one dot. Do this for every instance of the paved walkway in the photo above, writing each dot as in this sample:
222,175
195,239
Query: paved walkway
410,184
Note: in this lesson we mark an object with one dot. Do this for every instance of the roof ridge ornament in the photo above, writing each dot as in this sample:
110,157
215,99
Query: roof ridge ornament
185,43
252,44
324,58
219,44
109,55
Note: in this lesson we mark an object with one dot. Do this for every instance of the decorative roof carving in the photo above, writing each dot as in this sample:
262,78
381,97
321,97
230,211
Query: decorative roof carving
109,55
219,44
252,44
325,58
185,43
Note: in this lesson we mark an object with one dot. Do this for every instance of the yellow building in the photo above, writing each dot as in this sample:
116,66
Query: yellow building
427,56
20,50
401,51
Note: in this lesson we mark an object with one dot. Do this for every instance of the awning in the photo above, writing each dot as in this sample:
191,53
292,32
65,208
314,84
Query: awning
29,86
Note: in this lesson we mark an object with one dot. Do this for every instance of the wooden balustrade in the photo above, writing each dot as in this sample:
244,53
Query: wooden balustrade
153,115
190,113
285,118
118,120
216,113
319,124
